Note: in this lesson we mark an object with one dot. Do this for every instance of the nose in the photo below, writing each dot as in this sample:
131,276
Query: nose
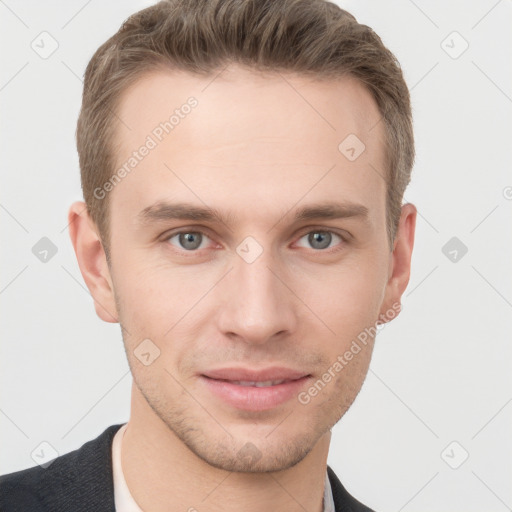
258,304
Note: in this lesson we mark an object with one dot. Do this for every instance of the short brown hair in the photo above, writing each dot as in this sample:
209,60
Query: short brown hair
309,37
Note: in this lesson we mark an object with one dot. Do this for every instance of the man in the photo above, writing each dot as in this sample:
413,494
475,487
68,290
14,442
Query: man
243,165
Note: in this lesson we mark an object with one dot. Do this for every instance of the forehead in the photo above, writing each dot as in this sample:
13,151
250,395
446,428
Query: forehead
261,135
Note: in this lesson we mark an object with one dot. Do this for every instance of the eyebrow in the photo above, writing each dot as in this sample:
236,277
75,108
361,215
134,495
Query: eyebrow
163,211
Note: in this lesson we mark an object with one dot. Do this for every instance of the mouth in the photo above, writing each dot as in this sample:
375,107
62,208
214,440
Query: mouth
254,390
257,384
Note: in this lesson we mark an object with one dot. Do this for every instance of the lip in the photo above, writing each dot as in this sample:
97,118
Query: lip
220,383
251,374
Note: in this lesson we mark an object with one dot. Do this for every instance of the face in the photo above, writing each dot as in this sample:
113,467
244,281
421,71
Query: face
248,254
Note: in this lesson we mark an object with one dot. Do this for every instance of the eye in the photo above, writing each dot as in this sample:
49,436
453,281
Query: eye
320,240
188,240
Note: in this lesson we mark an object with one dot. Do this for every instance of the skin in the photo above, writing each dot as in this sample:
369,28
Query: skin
255,148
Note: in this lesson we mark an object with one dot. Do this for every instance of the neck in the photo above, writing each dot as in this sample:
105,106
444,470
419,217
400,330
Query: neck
163,474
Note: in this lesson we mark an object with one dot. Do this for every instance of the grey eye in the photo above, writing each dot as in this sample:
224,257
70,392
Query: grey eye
188,240
320,239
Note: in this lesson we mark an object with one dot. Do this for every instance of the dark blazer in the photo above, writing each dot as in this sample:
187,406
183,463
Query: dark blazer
82,481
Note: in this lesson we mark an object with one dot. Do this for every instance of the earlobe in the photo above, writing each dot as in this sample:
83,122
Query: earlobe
92,261
400,264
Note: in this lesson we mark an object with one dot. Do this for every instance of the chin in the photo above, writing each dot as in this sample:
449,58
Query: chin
249,453
250,459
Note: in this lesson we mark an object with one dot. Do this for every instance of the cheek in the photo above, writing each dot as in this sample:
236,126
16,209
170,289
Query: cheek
163,305
335,302
346,298
147,299
334,391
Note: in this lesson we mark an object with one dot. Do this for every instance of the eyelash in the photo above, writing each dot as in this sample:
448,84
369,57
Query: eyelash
331,250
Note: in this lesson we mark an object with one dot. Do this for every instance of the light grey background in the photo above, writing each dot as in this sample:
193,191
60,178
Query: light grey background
440,371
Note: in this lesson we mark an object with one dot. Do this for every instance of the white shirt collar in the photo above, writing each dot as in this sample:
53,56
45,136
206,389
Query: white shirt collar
124,501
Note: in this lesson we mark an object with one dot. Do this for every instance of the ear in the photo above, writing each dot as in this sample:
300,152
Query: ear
92,261
400,264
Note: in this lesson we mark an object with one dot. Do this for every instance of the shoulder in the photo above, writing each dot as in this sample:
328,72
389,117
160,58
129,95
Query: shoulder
83,475
343,501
